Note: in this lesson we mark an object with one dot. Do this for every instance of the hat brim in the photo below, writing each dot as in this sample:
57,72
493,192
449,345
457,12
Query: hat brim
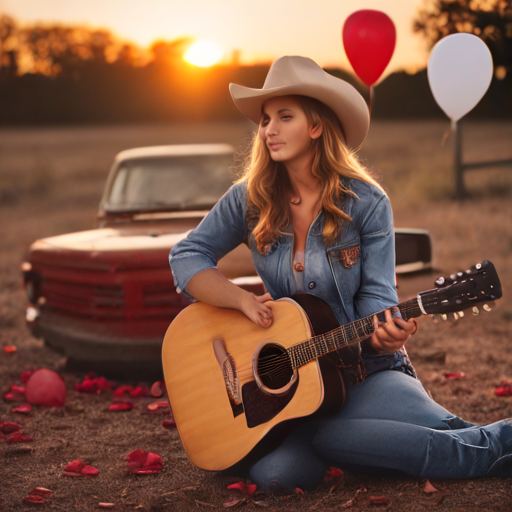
345,101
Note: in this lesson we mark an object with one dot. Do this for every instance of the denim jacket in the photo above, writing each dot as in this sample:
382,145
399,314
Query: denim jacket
361,261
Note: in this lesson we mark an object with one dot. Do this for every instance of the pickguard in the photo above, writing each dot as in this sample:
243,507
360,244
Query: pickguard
261,406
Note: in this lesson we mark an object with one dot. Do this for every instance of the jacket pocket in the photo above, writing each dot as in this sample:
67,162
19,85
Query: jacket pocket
345,262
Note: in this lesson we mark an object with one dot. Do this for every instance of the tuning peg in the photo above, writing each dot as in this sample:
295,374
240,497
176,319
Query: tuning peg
444,317
455,316
461,313
475,310
440,281
435,319
487,307
478,266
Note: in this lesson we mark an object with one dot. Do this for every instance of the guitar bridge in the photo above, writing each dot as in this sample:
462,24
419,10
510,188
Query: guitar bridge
228,367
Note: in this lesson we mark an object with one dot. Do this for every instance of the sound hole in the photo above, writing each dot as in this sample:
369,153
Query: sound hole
274,367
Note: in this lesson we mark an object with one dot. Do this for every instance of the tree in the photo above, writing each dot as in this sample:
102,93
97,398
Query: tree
491,20
8,47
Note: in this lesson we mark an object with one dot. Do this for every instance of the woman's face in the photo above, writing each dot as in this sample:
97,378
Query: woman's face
284,129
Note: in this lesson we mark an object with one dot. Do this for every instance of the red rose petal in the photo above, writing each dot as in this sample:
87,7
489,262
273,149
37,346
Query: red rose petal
169,424
93,384
18,437
137,458
106,505
157,405
299,491
10,349
144,463
504,388
250,489
379,500
147,471
503,391
246,489
26,375
87,386
76,465
102,383
157,388
153,460
90,471
139,391
23,408
7,427
120,406
122,390
41,491
15,393
34,499
459,375
72,473
333,474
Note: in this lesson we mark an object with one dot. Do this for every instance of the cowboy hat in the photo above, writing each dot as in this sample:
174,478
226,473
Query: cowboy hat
300,75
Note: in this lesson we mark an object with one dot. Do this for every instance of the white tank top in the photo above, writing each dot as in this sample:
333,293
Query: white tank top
298,271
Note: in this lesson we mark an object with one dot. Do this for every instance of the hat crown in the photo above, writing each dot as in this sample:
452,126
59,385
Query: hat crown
290,70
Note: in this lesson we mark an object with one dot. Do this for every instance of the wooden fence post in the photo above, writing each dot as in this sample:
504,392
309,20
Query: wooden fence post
458,170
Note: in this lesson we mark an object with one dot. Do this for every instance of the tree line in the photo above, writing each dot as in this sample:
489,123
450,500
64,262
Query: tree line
55,74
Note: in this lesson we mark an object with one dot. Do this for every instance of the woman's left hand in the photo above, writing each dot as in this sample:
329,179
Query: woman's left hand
388,338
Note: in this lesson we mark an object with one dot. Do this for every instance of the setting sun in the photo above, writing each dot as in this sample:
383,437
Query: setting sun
203,53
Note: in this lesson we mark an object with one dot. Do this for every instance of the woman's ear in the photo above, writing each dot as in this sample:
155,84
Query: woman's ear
315,131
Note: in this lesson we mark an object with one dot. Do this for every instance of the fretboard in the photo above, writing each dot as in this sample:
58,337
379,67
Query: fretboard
344,335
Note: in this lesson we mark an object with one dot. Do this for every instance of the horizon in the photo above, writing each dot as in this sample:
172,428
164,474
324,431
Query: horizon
235,26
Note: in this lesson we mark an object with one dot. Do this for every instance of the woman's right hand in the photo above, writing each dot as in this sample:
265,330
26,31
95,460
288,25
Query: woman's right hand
253,307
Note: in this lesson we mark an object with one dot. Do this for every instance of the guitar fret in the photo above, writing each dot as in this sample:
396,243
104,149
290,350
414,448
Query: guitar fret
345,335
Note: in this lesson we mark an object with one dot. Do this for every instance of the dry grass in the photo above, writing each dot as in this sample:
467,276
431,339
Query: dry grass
50,183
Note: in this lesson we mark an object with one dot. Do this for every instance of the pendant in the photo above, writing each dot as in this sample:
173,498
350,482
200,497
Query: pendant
298,266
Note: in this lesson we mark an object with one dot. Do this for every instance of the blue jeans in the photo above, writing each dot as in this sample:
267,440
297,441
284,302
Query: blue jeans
389,424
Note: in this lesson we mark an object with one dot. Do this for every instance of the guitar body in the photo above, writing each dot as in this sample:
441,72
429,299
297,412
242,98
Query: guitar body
222,410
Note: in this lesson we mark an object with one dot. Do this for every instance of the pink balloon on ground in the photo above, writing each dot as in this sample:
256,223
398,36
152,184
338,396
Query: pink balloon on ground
369,38
46,388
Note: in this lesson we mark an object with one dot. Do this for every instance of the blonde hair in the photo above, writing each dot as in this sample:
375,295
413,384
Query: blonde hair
268,182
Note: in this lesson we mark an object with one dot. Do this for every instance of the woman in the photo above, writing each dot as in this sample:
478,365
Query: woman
317,223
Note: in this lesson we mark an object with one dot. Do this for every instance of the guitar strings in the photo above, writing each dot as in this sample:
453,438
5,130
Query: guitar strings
276,365
269,364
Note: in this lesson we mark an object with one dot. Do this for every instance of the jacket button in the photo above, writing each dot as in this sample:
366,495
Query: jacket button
311,285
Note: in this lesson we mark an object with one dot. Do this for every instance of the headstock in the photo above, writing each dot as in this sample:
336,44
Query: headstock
479,284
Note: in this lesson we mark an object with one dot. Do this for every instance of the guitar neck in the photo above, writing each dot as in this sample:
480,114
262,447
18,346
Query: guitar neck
344,335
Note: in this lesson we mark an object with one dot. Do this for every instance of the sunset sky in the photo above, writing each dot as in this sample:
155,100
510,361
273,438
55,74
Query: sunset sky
262,30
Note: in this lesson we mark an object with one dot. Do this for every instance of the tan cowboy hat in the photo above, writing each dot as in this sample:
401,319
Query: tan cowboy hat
300,75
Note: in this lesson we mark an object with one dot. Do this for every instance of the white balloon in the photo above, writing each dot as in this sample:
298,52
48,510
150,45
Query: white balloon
459,72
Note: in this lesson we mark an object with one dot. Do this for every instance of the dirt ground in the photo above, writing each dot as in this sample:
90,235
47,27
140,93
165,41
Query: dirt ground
50,183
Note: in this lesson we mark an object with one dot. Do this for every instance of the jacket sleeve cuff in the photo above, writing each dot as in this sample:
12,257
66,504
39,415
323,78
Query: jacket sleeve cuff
187,265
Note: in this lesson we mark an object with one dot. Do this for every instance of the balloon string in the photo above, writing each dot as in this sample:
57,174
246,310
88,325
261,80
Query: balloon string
446,135
370,100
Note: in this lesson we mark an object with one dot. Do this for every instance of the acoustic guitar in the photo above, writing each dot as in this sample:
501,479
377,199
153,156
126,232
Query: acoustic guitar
230,381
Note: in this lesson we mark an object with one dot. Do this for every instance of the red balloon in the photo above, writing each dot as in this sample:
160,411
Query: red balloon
369,40
46,388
